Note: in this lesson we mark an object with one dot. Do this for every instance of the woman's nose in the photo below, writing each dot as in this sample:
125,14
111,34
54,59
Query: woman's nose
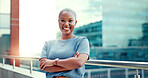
66,23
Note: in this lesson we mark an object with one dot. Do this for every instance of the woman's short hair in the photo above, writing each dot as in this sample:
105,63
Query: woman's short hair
67,9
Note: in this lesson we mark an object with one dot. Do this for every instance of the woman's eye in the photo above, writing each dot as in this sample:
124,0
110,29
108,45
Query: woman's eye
70,20
62,20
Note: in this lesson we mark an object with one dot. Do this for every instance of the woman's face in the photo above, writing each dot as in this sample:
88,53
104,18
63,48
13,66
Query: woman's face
67,22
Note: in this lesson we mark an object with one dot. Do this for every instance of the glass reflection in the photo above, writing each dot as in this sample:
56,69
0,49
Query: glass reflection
5,28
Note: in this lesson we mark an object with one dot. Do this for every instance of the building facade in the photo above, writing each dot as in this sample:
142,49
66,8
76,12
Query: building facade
122,21
142,41
92,31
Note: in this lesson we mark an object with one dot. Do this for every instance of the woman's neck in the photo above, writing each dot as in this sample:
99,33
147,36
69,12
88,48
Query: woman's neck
64,37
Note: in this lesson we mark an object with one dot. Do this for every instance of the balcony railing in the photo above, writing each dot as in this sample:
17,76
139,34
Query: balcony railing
121,64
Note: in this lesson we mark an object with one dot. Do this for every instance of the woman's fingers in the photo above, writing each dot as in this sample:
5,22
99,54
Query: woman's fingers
43,67
42,60
45,63
76,54
42,64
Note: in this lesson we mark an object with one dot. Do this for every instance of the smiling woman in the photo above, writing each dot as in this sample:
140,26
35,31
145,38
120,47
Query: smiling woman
36,25
66,56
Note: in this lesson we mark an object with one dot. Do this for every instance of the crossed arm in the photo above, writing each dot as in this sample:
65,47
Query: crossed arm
63,65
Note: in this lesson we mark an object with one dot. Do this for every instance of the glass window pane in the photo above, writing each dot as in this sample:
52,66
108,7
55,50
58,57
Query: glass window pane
4,27
4,20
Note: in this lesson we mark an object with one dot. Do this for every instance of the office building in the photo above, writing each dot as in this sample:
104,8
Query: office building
122,21
92,31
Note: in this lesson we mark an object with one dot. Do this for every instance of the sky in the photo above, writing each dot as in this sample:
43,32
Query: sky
39,20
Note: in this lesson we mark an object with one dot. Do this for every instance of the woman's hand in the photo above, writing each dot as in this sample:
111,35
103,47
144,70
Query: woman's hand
46,62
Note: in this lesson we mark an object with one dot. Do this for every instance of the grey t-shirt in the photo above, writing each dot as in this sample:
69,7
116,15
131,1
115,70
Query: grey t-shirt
64,49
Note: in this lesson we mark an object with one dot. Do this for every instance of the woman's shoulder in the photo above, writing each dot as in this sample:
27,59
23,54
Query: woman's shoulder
81,37
49,41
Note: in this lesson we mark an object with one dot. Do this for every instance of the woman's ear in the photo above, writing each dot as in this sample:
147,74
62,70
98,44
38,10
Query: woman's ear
75,22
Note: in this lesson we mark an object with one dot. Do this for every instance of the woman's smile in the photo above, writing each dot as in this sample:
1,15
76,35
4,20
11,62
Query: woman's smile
66,28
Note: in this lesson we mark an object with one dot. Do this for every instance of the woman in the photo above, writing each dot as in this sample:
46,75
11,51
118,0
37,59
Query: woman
65,57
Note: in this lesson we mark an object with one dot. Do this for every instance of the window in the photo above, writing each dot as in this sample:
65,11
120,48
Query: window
5,27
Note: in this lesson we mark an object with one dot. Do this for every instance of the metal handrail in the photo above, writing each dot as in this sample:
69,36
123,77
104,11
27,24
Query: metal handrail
21,58
122,64
18,57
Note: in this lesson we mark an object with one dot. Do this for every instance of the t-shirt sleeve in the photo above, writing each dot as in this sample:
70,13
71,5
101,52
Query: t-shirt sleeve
83,46
44,51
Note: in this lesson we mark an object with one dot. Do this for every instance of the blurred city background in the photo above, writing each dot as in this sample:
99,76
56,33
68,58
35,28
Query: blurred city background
116,29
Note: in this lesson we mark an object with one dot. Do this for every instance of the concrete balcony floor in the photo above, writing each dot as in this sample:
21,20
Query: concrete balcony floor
7,71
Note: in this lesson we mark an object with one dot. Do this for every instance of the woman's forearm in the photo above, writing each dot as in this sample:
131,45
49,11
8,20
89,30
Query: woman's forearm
64,65
53,69
73,63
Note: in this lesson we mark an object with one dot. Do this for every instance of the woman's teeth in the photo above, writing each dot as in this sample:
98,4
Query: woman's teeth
66,28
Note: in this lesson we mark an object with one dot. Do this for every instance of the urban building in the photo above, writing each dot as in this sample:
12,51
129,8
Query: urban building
92,31
142,41
121,54
5,44
122,21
